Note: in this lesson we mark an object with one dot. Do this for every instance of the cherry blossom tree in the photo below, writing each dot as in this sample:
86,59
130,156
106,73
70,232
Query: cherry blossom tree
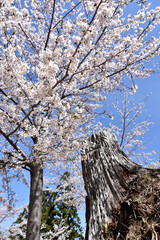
58,61
129,130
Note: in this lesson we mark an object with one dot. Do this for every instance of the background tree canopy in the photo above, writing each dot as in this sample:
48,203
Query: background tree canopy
55,213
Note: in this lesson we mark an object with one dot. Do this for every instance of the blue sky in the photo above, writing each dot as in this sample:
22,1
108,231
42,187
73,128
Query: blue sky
152,109
145,87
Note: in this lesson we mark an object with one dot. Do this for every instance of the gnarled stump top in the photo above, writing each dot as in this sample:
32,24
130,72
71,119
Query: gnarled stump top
108,175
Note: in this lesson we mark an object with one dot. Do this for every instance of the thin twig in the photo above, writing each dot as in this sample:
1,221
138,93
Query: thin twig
66,14
49,31
28,38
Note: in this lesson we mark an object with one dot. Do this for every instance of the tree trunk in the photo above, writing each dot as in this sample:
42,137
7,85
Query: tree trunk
109,178
35,203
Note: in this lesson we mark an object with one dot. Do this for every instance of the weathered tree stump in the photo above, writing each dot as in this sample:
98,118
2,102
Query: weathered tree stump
117,202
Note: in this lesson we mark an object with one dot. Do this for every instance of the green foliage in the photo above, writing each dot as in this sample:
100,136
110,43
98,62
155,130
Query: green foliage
54,211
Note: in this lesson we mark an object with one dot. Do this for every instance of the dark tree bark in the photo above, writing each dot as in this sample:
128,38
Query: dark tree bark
109,178
35,203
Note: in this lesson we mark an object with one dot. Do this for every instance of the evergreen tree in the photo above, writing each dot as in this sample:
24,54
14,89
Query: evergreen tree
55,212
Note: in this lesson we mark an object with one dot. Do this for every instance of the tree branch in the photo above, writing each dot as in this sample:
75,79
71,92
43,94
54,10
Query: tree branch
66,14
13,144
49,31
10,98
80,42
26,116
124,119
29,40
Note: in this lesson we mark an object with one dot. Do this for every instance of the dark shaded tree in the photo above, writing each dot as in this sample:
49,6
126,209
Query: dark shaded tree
56,212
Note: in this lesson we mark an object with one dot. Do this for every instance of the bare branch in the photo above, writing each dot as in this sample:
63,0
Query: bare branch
124,119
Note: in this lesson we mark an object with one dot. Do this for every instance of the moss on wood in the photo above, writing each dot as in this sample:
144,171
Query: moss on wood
139,214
